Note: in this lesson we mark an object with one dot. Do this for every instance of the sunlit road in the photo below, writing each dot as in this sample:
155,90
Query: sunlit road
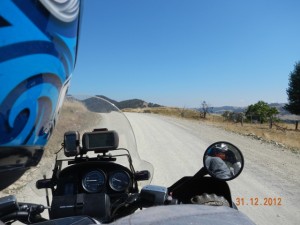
268,188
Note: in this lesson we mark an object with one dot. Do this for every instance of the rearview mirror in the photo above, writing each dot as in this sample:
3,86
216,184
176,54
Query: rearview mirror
223,160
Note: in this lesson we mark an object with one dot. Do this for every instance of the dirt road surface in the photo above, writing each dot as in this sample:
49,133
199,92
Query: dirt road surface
175,147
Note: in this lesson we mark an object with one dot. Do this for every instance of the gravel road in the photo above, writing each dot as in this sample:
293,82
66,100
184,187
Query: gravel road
175,148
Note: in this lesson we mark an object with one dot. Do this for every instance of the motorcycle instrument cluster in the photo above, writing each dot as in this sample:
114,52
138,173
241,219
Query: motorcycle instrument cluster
119,181
93,181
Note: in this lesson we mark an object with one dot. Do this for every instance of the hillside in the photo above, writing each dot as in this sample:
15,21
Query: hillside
222,109
283,114
138,103
131,103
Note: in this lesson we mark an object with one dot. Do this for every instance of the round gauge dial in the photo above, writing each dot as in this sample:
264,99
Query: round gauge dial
119,180
93,181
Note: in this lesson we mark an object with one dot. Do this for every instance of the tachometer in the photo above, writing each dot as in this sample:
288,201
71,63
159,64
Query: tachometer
119,180
93,181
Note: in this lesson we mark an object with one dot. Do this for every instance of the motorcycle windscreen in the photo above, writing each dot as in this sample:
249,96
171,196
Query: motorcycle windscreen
86,113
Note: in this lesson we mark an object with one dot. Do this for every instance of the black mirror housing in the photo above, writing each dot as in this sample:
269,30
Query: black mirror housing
223,161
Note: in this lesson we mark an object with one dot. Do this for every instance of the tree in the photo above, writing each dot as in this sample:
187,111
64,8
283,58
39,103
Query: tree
182,112
261,111
205,109
293,92
226,115
234,117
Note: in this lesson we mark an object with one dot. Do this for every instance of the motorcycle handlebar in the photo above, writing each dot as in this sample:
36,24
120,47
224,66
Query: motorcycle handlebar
27,213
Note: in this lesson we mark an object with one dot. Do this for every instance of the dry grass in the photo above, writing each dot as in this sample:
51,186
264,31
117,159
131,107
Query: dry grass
168,111
73,117
284,134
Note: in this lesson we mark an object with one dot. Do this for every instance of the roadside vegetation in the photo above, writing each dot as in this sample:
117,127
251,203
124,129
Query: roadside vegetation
73,116
281,134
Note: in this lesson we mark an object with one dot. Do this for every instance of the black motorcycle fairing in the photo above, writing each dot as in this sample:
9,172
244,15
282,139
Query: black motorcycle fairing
74,220
69,179
71,198
94,205
188,187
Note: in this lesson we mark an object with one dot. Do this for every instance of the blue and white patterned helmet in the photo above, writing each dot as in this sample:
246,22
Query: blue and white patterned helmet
38,48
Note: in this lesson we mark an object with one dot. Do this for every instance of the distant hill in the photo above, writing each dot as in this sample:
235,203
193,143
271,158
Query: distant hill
222,109
132,103
108,99
138,103
283,114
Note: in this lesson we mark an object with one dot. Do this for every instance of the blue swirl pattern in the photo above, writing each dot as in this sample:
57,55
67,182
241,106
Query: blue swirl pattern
37,57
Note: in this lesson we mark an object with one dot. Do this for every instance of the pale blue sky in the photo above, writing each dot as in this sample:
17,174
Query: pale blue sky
181,52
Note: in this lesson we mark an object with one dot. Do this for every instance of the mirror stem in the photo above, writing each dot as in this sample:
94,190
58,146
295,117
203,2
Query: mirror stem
201,173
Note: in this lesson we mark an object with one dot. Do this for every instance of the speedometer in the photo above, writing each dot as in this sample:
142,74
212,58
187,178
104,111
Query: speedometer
119,180
93,181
